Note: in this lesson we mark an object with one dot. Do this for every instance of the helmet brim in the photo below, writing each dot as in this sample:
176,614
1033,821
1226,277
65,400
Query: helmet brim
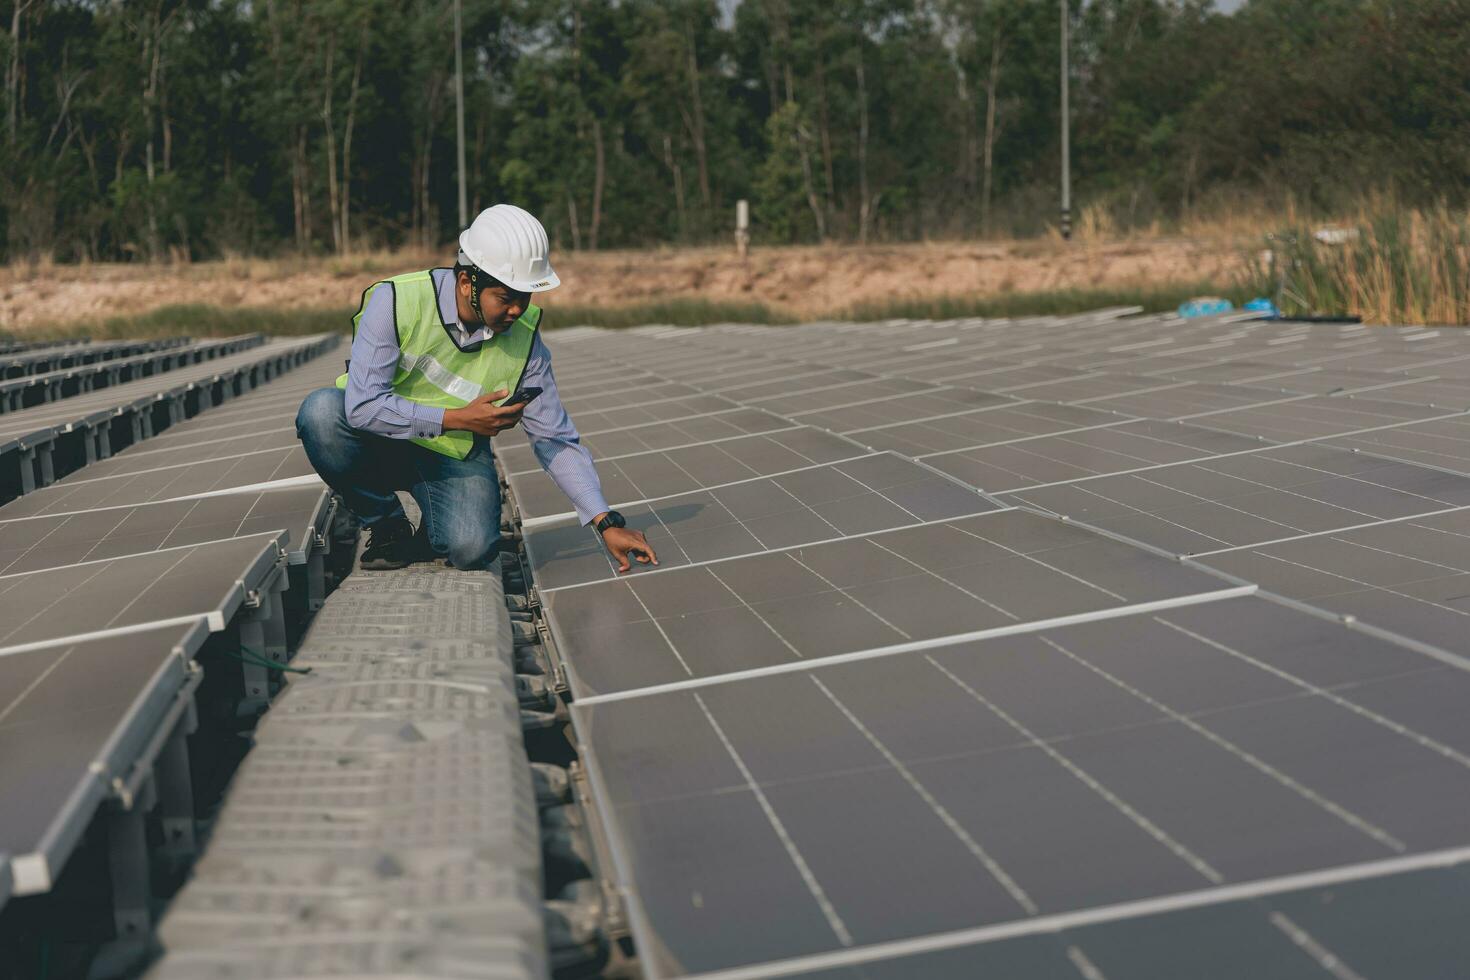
549,281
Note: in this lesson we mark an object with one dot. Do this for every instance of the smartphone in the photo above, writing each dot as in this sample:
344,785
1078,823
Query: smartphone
523,397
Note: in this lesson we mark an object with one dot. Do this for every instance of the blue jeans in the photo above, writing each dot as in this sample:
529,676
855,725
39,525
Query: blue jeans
460,498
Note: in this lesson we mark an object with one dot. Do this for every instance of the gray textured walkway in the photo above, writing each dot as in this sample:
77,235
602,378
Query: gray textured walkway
385,823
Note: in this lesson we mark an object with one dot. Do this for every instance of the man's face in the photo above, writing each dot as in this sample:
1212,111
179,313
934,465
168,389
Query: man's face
500,306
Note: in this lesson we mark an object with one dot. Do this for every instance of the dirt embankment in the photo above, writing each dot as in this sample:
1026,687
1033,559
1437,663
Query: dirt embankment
807,281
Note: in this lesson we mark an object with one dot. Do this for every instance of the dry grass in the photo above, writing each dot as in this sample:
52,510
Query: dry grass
1405,266
1395,266
794,283
212,321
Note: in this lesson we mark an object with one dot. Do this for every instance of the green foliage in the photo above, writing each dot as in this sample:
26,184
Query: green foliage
780,200
159,129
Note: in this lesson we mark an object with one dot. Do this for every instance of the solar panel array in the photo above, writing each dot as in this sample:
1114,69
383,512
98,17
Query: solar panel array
1091,646
41,443
38,387
113,578
19,359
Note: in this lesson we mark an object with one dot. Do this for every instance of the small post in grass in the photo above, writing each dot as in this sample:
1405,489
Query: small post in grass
742,227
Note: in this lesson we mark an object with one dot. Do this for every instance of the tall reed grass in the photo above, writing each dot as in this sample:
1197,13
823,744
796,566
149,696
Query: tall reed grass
1387,266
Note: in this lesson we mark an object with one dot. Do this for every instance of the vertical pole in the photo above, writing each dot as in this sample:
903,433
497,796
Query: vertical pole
464,207
742,227
1066,133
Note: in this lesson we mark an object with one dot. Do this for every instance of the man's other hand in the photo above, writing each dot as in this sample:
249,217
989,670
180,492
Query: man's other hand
623,542
482,416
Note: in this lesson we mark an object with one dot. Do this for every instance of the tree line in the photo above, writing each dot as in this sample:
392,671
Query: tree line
187,129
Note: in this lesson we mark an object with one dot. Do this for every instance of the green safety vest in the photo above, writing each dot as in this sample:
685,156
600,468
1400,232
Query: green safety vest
433,371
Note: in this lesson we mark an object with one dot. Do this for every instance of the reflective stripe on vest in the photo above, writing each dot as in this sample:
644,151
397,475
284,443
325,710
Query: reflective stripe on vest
433,371
439,376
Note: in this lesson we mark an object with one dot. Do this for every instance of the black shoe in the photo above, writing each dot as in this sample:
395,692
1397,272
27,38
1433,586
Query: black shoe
391,544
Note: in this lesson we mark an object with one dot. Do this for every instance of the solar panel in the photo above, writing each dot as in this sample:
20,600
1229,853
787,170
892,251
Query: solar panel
913,406
1252,498
652,475
221,425
1018,779
998,374
191,581
103,608
149,457
38,387
22,359
516,457
1095,386
1410,576
37,444
1193,399
74,718
987,427
812,504
1002,740
32,544
163,482
672,410
1311,931
892,589
108,402
1088,452
627,392
1443,443
1317,418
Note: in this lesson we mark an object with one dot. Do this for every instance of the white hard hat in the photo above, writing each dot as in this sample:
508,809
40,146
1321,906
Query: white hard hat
510,244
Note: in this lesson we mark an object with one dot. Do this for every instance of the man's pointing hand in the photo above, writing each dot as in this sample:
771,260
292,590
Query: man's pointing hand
623,542
482,416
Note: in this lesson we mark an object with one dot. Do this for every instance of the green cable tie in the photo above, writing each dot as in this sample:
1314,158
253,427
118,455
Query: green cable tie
261,660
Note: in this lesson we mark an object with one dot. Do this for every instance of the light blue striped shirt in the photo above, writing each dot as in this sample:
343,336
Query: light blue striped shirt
373,407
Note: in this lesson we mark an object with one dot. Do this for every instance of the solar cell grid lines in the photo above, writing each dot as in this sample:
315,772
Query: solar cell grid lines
1443,443
889,589
30,544
1252,498
916,404
516,457
1411,576
1026,735
189,581
651,475
164,482
978,775
672,410
815,503
218,446
986,427
73,717
1086,452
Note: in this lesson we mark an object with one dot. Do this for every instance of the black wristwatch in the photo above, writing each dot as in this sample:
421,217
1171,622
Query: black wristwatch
611,519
